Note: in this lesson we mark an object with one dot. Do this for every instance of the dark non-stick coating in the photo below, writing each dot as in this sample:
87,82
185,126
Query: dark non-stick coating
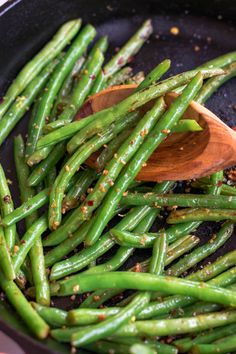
206,28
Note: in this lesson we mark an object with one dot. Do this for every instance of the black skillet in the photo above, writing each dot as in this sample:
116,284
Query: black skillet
207,29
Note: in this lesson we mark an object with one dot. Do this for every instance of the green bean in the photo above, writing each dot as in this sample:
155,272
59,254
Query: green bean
226,345
124,252
155,74
109,326
67,246
83,258
39,273
202,252
160,347
144,281
213,84
83,182
182,200
178,326
220,61
124,154
5,259
33,232
197,309
142,349
40,171
86,316
114,263
129,49
35,323
63,36
72,166
159,251
22,171
55,317
50,177
120,76
99,83
63,132
7,207
185,344
36,252
78,96
201,214
204,183
208,272
58,76
174,251
107,153
65,90
79,261
27,208
23,102
81,90
150,144
180,247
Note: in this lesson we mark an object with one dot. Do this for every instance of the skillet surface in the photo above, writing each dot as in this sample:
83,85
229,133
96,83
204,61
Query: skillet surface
206,31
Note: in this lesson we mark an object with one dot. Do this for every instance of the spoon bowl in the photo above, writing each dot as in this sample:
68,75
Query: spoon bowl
181,156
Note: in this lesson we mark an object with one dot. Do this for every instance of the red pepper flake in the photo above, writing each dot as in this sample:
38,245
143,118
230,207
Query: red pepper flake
117,49
219,183
1,100
7,199
22,242
90,202
130,59
138,268
102,317
92,76
120,61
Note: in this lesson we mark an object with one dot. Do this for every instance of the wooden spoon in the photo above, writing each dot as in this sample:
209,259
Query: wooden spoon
182,155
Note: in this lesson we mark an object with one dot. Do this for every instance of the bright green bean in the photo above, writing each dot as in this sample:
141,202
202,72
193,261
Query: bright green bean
201,214
34,322
7,206
178,326
129,49
63,36
23,102
27,208
203,251
33,232
41,170
109,326
55,317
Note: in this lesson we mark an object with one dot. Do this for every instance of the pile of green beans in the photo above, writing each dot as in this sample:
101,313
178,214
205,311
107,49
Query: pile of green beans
82,227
